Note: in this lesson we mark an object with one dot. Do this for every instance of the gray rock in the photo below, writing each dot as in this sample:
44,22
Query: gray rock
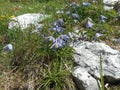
25,20
84,80
87,57
109,4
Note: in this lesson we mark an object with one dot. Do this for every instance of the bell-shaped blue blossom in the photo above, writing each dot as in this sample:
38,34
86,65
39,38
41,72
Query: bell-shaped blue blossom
68,13
60,40
53,28
64,37
89,23
59,43
57,28
86,4
50,38
102,18
97,35
8,47
63,42
75,16
56,45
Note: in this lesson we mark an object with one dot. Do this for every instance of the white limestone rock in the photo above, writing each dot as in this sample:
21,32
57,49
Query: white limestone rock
110,1
87,59
23,21
84,80
109,4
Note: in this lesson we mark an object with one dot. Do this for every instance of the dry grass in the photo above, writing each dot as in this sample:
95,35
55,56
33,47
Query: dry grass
14,81
113,45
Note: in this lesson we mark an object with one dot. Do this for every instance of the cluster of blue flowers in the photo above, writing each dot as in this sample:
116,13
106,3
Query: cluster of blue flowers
72,11
89,22
61,40
58,26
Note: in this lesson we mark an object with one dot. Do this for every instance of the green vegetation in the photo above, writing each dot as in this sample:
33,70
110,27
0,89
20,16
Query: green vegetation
45,58
101,82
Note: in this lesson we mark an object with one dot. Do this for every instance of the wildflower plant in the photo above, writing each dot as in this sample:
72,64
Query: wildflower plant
58,33
45,50
46,55
90,16
56,53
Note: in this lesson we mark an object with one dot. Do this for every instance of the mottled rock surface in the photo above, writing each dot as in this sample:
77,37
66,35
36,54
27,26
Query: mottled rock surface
87,59
25,20
109,4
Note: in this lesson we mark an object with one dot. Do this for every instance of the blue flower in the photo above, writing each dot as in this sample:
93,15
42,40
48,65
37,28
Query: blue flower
75,16
68,13
60,40
59,43
102,18
53,28
50,38
56,45
64,37
97,35
57,28
8,47
89,23
86,4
